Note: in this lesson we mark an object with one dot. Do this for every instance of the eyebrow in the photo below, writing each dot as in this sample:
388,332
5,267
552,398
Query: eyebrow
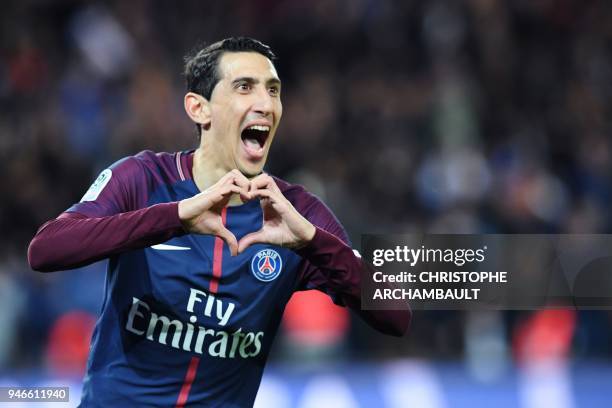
254,81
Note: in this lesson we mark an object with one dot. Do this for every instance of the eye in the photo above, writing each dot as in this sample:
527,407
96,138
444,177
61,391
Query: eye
274,90
243,86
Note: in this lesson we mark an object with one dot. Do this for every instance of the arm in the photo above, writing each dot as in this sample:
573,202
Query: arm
113,217
74,240
330,265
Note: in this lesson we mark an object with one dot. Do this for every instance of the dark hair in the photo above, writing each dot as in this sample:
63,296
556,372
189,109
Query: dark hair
201,66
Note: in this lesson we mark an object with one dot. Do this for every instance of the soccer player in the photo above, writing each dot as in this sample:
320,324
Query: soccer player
204,248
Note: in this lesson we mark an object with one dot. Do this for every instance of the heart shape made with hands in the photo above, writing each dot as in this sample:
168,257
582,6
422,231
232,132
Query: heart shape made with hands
282,224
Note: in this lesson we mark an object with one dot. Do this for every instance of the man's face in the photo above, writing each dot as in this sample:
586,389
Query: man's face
245,109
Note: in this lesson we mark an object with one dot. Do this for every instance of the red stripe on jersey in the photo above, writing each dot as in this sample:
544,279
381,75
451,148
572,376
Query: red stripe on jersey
214,285
189,377
217,258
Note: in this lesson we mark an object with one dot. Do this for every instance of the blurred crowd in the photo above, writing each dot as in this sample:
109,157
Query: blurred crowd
474,116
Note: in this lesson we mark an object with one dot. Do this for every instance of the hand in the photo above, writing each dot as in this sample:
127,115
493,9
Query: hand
201,214
282,224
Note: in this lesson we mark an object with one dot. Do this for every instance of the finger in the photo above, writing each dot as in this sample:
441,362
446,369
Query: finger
263,194
272,184
229,176
241,181
262,181
245,196
244,193
224,193
274,196
257,237
229,190
230,240
219,188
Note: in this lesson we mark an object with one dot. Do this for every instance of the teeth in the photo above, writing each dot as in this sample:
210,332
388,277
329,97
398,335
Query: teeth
261,128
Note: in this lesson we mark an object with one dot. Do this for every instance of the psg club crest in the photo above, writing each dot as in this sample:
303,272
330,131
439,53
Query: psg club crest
266,265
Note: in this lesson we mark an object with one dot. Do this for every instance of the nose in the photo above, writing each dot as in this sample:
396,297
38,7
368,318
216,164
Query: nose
264,105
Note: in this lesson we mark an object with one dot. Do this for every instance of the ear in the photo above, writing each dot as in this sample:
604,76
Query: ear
198,109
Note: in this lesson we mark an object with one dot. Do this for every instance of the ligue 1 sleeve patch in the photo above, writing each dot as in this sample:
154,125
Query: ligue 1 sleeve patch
266,265
97,186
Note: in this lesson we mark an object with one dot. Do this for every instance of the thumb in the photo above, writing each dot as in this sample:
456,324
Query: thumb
230,240
250,239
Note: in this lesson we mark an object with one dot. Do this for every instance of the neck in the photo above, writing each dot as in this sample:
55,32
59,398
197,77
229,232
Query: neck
207,171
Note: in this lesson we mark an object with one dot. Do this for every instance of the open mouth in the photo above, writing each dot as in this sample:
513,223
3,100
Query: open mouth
254,138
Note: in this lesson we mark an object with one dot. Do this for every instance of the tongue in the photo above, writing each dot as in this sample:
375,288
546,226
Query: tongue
252,143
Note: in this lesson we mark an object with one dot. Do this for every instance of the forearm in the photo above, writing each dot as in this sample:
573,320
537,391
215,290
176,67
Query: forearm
73,240
343,272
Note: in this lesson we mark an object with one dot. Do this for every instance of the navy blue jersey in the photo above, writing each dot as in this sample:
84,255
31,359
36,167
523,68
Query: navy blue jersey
182,321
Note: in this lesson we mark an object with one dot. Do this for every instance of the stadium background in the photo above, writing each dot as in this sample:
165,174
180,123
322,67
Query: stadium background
474,116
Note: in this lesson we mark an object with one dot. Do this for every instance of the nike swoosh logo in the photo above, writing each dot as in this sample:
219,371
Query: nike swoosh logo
166,247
